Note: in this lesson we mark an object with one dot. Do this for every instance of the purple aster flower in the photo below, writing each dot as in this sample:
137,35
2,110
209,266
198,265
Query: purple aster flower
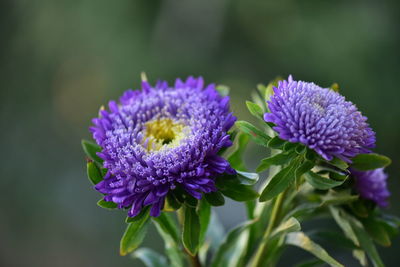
160,138
372,185
319,118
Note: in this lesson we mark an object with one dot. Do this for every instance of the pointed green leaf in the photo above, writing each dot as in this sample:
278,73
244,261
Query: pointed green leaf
310,263
134,235
320,182
255,110
377,231
228,243
215,198
278,159
276,142
338,198
365,162
90,150
204,212
94,174
302,241
247,178
280,181
168,230
304,168
191,230
366,243
344,224
237,151
150,258
256,134
168,226
288,226
107,204
334,238
231,187
143,213
289,146
339,163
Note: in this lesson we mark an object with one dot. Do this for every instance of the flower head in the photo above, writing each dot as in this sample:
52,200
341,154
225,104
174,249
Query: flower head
160,138
319,118
372,185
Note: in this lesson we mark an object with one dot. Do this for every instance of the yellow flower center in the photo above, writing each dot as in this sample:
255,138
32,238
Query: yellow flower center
164,133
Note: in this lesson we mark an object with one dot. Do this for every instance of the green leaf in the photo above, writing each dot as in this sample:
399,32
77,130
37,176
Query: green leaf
143,213
190,201
280,181
300,149
335,238
344,224
216,232
223,90
338,198
106,204
228,243
235,159
256,134
255,110
90,150
134,234
150,258
215,198
93,173
288,226
304,168
310,263
302,210
204,212
365,162
168,226
289,146
191,230
366,243
339,163
233,189
302,241
320,182
247,178
376,229
278,159
168,230
276,142
391,224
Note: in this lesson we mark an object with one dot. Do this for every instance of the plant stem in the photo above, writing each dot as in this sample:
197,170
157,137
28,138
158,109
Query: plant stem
194,259
258,257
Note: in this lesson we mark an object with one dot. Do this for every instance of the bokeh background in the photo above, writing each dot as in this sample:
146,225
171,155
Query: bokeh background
61,60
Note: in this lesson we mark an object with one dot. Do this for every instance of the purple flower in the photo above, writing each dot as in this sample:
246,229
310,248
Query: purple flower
372,185
319,118
160,138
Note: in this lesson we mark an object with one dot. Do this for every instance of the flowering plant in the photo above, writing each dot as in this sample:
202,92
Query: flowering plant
167,154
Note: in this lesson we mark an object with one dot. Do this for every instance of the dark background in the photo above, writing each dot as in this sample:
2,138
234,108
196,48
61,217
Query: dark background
61,60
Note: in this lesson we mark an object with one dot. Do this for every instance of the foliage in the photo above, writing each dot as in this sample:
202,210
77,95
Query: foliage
301,186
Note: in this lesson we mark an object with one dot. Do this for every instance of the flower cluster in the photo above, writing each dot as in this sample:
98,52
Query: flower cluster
160,138
319,118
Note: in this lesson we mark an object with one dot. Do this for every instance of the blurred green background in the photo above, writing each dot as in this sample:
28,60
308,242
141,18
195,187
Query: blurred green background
61,60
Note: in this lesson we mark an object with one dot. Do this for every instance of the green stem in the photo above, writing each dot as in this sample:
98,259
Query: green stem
258,257
194,259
